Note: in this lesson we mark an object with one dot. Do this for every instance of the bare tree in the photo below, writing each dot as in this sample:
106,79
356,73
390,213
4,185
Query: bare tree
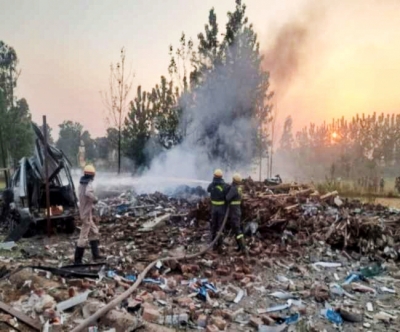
117,100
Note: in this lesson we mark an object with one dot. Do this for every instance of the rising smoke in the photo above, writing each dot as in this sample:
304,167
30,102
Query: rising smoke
221,131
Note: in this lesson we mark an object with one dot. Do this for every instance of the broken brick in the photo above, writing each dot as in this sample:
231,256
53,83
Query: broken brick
185,302
159,295
212,328
238,275
245,281
202,320
151,315
218,322
208,273
223,271
246,270
146,297
255,321
228,314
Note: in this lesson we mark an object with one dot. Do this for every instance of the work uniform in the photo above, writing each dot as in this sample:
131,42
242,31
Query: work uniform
234,200
87,199
217,190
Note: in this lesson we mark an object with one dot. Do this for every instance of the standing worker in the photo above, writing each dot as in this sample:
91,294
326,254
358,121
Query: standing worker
382,185
217,192
234,200
87,200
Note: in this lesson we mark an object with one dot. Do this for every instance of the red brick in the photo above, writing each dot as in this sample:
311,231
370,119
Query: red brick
246,270
238,275
255,321
267,320
151,315
218,322
252,277
245,281
208,274
159,295
185,301
75,283
202,320
212,328
228,314
146,297
223,271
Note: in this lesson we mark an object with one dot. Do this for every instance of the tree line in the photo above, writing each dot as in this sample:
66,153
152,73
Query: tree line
215,96
363,146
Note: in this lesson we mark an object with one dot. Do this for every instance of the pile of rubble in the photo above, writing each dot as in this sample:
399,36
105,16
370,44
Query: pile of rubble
301,275
310,216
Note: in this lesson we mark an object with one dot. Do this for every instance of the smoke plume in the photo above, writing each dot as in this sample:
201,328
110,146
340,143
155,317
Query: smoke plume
290,46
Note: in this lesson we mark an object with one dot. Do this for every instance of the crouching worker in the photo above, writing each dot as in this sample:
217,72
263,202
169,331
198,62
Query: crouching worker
89,230
217,190
234,200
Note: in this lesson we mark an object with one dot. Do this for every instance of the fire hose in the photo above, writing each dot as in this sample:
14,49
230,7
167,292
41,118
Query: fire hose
111,305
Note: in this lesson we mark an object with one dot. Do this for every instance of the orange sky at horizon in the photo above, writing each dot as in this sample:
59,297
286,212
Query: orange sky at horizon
348,62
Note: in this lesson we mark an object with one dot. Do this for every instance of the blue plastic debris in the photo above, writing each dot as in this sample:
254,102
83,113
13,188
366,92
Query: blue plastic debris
293,319
202,290
332,316
122,208
111,274
351,278
131,277
152,281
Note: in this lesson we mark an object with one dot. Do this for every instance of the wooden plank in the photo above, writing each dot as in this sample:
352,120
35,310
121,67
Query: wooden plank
20,316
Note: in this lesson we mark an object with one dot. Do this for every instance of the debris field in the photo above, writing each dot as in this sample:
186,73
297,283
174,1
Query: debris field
316,263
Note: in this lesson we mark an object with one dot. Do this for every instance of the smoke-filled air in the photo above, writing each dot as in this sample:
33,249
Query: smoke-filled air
200,165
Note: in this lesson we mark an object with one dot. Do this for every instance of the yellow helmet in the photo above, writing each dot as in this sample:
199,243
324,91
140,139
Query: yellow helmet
89,170
218,173
237,178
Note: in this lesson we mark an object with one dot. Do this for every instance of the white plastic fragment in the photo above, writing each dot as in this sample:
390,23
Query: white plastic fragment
266,328
388,290
282,295
327,264
73,301
7,245
370,308
239,296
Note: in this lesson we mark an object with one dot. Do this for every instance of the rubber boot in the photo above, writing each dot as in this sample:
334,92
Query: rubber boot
241,246
79,251
94,245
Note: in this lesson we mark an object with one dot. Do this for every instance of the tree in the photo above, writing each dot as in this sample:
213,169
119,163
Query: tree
138,129
20,142
117,100
8,72
287,140
166,114
16,135
69,140
89,143
231,92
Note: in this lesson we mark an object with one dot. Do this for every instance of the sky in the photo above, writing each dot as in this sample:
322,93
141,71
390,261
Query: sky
327,58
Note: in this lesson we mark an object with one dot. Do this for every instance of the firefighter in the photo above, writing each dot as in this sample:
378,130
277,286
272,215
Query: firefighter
89,231
217,190
234,200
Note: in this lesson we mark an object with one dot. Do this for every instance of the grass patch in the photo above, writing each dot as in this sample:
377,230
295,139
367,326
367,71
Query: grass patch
349,188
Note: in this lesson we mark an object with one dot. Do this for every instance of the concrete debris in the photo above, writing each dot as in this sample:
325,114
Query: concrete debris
307,254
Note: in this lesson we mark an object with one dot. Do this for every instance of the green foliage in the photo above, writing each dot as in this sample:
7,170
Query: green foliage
166,114
138,128
69,140
16,135
90,148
